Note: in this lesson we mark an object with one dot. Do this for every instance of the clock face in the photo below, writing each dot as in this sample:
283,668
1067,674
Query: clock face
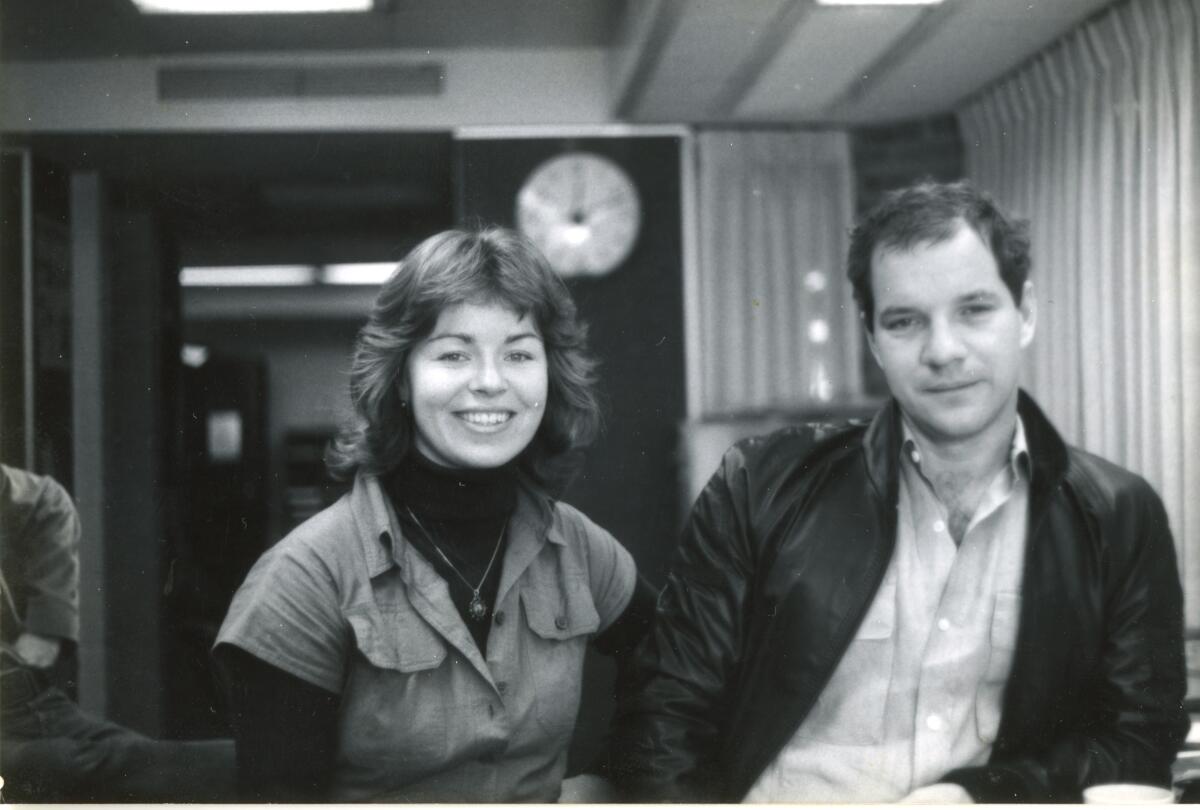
582,211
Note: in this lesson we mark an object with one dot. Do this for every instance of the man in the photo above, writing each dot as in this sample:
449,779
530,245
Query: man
948,604
51,750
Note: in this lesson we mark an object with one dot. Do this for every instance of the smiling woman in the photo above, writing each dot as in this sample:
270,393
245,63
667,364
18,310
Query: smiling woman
423,638
477,386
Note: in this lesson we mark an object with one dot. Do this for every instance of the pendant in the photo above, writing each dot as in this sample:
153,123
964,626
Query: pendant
477,608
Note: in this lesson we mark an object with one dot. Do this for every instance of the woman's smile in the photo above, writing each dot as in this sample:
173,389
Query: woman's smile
485,419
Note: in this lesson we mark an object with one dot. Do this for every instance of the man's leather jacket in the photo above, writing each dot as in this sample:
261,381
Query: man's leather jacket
781,558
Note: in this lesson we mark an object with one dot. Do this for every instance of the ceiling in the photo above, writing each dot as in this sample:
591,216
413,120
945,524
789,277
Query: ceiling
679,61
80,29
362,194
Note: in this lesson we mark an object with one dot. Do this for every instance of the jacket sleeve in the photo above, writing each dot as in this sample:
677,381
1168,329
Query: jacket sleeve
667,726
1135,721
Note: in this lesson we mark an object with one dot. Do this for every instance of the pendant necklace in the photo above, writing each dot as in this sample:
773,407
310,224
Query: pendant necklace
477,610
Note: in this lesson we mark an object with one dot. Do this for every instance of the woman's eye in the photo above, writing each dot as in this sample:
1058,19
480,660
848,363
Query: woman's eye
520,357
452,357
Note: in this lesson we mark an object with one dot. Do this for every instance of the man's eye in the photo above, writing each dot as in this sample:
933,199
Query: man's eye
975,310
899,324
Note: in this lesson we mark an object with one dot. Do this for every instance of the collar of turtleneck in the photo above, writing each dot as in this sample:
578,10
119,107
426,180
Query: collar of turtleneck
446,494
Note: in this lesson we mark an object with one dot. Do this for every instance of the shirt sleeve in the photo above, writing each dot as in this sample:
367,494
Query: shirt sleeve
612,573
287,613
46,547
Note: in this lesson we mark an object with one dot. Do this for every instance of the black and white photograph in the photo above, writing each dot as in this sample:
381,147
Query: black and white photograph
600,401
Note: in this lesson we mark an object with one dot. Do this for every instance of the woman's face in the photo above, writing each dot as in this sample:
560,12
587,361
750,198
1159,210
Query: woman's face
477,386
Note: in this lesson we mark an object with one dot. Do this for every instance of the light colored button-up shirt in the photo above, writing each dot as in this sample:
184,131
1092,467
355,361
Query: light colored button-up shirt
919,691
345,603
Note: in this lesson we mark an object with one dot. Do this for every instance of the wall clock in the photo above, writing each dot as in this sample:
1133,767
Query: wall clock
582,211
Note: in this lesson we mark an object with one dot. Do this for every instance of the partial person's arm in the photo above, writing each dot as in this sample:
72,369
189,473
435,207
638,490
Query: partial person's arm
281,652
620,638
667,727
285,730
46,543
617,642
1137,721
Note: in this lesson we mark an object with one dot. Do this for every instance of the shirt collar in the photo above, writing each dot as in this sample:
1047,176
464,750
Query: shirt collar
384,545
1018,453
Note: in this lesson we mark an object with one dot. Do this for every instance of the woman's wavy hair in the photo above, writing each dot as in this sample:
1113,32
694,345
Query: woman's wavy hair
491,265
932,212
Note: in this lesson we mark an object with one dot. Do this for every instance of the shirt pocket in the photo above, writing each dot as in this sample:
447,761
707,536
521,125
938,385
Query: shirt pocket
561,620
395,710
1002,641
852,708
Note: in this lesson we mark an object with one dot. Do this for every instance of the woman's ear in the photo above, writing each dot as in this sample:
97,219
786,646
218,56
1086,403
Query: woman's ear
403,389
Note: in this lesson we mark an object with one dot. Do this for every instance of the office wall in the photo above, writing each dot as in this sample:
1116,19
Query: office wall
512,86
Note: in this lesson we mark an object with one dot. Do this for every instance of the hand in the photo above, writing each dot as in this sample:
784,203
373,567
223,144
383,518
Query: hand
38,651
588,789
940,793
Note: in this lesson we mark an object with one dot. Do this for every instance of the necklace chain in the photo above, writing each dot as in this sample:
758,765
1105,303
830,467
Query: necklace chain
476,609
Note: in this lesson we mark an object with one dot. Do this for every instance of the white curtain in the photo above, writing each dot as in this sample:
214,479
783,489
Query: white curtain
778,329
1096,143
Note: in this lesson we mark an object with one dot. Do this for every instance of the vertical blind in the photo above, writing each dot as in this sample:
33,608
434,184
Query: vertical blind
1096,142
778,328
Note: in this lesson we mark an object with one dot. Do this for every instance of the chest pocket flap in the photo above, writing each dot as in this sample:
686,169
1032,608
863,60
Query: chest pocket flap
395,637
560,613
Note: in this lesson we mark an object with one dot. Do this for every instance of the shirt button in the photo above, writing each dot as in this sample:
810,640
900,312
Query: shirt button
560,622
499,617
502,687
933,722
939,526
943,624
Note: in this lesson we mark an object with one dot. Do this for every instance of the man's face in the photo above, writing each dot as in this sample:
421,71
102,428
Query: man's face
948,336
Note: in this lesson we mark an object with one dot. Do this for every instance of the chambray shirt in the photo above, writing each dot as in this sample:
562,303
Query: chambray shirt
345,603
919,691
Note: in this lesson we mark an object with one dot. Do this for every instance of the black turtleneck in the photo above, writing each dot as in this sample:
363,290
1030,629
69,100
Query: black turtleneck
463,515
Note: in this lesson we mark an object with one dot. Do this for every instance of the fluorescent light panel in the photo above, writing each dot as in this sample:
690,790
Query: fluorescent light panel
250,6
273,275
878,2
361,274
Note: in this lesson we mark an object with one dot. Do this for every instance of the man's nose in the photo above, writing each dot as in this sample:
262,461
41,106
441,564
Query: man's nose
943,345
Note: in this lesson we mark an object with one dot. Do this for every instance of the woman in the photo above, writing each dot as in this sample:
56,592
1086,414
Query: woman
422,639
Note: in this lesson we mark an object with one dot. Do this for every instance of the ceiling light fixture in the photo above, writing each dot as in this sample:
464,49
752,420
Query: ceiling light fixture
878,2
274,275
361,273
250,6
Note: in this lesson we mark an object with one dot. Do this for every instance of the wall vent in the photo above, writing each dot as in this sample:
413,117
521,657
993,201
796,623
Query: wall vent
180,83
